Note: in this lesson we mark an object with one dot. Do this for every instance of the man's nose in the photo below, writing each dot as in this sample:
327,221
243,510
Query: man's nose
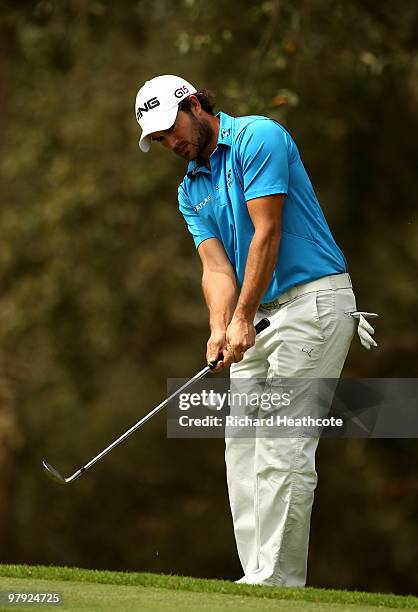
170,141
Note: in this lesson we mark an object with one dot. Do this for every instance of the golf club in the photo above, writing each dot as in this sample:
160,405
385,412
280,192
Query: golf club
57,477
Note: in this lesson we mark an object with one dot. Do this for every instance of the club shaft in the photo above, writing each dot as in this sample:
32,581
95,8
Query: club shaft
261,325
141,422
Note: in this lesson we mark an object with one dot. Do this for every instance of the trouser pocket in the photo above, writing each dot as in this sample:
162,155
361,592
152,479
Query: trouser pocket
325,302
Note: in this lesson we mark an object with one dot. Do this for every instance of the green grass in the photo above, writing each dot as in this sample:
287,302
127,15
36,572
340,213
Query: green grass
103,590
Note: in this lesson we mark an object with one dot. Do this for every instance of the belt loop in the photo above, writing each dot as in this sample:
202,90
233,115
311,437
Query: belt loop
333,282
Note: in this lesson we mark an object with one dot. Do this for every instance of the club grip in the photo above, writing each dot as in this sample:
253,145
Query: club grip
261,326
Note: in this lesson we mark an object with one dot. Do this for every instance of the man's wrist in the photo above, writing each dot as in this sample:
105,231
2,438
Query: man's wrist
217,330
218,322
218,326
245,312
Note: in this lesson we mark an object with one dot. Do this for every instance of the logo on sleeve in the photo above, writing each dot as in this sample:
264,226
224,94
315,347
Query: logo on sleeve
202,204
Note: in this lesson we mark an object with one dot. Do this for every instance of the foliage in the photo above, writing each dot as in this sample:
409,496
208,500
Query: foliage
100,294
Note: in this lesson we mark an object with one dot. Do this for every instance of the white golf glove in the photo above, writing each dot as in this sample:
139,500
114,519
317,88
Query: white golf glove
364,329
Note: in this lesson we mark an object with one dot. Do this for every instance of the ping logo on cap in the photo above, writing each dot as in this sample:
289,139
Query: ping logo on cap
149,105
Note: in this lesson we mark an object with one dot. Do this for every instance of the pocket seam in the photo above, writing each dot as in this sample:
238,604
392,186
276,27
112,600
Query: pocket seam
333,317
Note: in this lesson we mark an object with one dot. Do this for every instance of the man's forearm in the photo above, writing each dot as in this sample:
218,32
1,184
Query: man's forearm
221,294
262,258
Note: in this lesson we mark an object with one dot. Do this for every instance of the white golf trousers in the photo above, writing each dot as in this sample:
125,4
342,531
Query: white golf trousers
271,481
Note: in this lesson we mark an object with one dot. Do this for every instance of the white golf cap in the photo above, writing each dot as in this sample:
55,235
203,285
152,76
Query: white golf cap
156,105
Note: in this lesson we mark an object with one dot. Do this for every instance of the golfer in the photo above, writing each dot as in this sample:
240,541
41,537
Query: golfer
266,250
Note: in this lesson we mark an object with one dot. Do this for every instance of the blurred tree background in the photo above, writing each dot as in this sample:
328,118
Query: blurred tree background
100,296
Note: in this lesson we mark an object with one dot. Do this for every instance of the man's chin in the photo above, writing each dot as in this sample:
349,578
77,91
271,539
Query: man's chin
189,156
190,153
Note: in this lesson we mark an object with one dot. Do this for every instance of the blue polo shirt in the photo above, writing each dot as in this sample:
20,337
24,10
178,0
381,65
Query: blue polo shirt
256,156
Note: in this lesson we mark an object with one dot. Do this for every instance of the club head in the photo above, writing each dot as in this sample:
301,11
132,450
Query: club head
53,473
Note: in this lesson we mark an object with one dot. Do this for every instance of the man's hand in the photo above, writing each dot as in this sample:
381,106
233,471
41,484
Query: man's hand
240,336
215,346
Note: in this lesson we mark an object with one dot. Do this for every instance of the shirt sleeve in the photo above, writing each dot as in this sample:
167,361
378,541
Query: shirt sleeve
264,152
195,224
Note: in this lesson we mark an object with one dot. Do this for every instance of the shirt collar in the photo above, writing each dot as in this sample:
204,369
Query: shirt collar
224,138
225,129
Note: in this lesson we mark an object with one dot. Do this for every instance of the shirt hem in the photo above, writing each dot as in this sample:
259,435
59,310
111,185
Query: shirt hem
199,241
266,191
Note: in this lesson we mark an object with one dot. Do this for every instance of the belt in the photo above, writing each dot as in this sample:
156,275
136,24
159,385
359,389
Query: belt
333,282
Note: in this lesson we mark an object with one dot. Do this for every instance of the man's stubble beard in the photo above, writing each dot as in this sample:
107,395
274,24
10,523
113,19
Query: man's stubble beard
205,135
202,138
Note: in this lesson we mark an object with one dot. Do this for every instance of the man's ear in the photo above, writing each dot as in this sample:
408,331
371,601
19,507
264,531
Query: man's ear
195,105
